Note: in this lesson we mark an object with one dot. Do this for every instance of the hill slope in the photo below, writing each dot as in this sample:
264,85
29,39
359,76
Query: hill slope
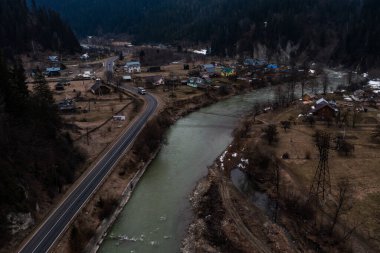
336,31
36,160
23,29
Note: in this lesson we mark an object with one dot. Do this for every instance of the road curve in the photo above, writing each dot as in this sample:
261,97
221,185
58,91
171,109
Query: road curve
47,234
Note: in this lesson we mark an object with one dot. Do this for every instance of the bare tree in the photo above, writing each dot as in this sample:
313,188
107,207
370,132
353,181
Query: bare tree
344,202
256,111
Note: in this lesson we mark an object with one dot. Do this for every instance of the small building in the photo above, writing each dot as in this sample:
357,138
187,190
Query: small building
308,98
132,67
127,78
67,105
227,71
87,74
324,110
98,88
272,66
197,82
118,117
53,71
84,57
209,68
152,81
53,58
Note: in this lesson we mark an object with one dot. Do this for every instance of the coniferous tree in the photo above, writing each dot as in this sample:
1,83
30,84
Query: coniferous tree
22,28
44,108
34,152
338,31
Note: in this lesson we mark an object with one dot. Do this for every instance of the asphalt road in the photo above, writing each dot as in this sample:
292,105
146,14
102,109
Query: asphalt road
110,63
54,226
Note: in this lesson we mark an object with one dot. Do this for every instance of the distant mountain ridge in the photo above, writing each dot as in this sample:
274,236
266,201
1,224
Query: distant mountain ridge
332,31
24,29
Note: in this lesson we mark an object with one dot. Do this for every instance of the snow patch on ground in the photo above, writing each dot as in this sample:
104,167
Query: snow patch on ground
375,84
221,159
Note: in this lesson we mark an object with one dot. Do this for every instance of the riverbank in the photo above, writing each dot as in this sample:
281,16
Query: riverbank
230,219
226,222
91,219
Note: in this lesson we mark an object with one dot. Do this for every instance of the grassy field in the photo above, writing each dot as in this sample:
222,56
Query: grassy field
362,168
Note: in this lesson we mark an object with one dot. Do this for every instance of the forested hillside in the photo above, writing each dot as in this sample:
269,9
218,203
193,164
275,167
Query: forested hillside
334,31
25,29
36,158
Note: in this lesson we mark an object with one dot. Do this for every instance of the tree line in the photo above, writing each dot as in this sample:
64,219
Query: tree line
37,158
26,28
338,31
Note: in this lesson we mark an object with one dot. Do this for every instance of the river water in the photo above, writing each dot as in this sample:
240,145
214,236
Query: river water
156,217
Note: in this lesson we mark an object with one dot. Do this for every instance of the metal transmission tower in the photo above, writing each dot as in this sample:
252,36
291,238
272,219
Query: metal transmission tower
321,182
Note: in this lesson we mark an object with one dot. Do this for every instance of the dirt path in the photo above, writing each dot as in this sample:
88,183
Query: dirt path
233,213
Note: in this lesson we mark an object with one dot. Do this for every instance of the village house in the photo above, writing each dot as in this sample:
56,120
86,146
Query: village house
209,68
67,105
308,98
118,117
53,58
197,82
272,66
227,72
324,110
88,74
98,88
127,78
132,67
53,71
84,57
153,81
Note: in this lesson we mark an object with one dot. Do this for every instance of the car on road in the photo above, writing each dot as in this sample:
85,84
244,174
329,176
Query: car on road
141,90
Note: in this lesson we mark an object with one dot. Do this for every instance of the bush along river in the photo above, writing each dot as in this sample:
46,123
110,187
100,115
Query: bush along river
159,212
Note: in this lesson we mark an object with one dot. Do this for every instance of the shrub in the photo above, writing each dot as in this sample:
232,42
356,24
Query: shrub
298,207
285,124
107,207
